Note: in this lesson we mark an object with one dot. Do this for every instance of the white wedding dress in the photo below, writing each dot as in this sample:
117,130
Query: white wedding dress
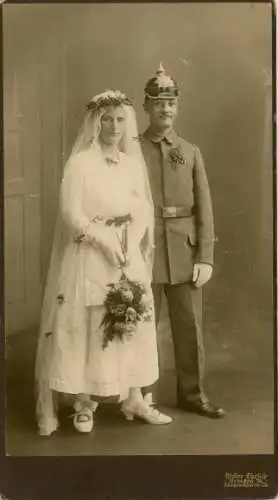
71,336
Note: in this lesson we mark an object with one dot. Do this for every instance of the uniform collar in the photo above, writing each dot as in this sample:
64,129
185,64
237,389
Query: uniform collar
170,136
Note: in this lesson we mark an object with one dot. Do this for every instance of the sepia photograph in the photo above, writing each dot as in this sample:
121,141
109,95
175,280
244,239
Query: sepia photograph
139,218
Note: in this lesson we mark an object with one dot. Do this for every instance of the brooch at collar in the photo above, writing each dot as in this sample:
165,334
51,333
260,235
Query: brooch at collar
176,157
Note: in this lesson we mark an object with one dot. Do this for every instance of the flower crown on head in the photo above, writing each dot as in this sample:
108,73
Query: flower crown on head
108,98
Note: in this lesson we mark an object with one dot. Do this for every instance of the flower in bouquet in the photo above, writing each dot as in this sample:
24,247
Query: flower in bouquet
126,304
130,314
147,314
138,291
139,287
141,307
127,296
119,327
117,310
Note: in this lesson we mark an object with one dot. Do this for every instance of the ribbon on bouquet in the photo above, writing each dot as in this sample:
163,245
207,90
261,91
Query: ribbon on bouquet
122,223
123,239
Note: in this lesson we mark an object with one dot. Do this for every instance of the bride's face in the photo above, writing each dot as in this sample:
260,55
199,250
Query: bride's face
112,125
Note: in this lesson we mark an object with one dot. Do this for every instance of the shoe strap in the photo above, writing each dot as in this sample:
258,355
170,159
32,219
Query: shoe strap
151,409
85,411
155,411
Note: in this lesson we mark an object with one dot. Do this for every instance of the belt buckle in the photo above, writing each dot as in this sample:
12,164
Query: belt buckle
169,211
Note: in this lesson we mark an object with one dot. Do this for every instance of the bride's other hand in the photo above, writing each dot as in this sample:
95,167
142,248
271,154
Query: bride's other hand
113,255
106,240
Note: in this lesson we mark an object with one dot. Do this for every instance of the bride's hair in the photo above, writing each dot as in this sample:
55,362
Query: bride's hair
90,130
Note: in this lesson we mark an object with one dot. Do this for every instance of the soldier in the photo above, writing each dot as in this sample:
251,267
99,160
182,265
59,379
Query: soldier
184,238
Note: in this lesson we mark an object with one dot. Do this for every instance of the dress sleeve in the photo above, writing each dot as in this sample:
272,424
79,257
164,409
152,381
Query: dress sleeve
71,197
141,213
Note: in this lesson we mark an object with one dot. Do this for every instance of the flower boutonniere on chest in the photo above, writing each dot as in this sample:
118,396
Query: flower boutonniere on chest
176,157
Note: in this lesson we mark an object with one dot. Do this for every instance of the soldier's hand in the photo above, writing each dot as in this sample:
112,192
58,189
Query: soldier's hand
201,274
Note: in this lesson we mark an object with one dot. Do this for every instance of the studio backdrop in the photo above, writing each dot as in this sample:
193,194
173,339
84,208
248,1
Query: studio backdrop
56,57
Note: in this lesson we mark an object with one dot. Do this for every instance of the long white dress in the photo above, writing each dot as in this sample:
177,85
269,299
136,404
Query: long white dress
78,363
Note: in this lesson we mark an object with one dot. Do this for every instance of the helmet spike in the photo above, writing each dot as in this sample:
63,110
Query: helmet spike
160,71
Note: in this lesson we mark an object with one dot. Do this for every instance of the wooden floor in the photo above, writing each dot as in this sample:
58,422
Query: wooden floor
239,377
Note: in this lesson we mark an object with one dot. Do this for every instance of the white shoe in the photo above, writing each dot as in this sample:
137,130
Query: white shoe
83,418
142,410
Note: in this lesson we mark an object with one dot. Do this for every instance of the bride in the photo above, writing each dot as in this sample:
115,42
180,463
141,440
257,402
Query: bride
105,181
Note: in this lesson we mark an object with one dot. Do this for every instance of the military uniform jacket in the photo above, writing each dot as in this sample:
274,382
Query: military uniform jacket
178,179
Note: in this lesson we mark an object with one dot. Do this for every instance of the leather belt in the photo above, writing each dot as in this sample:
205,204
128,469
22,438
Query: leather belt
173,212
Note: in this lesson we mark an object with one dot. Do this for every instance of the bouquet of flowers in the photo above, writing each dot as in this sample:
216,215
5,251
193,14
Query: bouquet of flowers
126,304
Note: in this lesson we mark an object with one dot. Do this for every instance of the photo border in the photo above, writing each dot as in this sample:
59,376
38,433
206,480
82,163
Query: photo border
119,477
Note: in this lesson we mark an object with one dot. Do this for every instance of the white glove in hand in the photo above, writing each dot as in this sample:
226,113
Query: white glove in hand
201,274
106,239
113,253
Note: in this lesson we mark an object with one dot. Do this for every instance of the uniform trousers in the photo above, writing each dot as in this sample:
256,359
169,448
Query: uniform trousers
185,314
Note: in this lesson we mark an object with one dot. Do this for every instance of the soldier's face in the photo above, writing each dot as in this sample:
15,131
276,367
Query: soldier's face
112,125
162,112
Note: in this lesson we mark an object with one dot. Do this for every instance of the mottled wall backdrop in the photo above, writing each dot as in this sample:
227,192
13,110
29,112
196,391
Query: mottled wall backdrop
221,55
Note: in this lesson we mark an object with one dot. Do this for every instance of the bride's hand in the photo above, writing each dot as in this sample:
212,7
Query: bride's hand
114,255
106,239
